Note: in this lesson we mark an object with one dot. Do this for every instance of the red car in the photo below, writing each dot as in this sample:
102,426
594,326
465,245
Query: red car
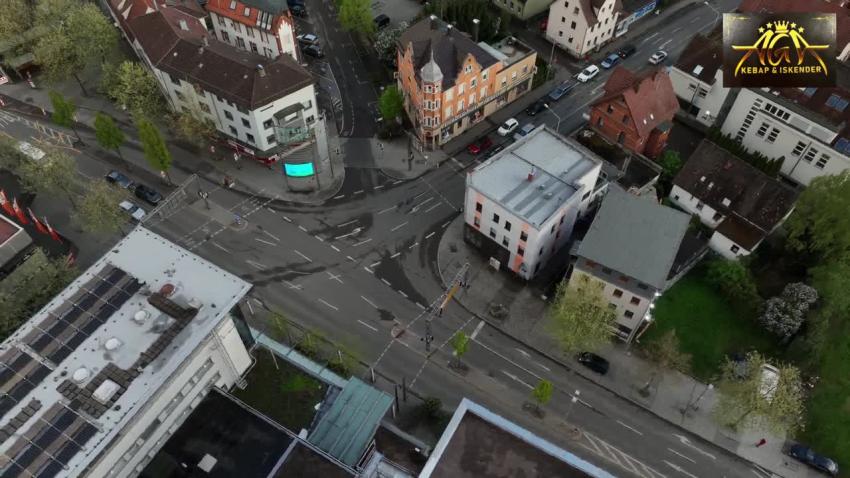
480,145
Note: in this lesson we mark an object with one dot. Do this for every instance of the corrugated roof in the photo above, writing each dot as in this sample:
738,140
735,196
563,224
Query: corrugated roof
346,429
635,237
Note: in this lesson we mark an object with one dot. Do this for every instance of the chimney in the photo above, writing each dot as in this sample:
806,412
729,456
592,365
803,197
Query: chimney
433,22
261,71
184,25
475,23
449,30
531,174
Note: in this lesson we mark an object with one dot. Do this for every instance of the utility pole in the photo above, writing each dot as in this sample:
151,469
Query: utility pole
460,279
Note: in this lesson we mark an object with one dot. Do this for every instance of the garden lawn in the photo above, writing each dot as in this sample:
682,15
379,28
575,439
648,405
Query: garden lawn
283,393
707,326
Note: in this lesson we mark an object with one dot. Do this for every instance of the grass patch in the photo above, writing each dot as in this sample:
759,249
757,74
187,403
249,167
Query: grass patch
284,393
708,327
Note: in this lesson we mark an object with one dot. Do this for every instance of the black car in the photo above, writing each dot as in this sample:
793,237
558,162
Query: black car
492,151
809,457
381,21
298,10
627,51
536,107
593,362
292,3
314,51
149,195
561,90
115,177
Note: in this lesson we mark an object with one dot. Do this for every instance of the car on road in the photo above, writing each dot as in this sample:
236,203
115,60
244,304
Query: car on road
115,177
588,73
627,51
479,145
524,131
495,149
132,209
809,457
381,21
537,107
314,51
611,60
508,127
593,362
292,3
30,151
561,90
308,39
657,57
298,10
148,194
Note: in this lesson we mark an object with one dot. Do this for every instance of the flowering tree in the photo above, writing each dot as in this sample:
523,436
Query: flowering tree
784,314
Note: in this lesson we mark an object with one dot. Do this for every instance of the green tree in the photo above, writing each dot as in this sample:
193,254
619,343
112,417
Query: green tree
391,103
542,393
55,173
11,157
386,41
356,16
50,13
820,224
108,134
734,280
98,212
133,88
460,345
63,112
460,13
670,163
748,401
665,353
154,147
15,19
579,318
192,127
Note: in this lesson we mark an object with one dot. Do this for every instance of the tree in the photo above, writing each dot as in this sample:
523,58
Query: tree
734,280
542,393
666,354
670,163
356,16
385,42
11,157
15,19
460,344
108,134
391,103
820,224
134,88
784,314
55,173
749,401
63,112
579,318
98,212
461,13
156,152
193,127
49,13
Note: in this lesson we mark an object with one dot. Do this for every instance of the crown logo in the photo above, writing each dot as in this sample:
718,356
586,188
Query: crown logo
780,27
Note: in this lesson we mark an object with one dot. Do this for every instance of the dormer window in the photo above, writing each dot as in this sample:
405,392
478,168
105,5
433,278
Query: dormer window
429,89
233,4
247,12
726,202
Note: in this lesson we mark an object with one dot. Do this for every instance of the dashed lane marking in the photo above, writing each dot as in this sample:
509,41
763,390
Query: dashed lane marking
402,293
347,223
680,455
271,235
334,248
319,238
302,255
430,234
396,228
367,325
368,270
302,228
413,245
362,242
369,302
395,255
219,246
375,264
255,264
435,206
351,259
386,282
323,301
630,428
335,277
264,241
386,210
446,224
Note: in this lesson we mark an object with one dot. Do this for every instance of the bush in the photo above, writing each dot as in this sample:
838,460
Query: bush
768,166
734,280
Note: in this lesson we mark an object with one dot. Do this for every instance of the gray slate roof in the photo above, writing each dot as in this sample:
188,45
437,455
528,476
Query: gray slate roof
635,237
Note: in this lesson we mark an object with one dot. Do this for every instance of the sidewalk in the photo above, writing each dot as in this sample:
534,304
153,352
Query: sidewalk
675,397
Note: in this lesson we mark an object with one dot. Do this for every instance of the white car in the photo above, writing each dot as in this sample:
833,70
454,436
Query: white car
137,212
30,151
588,73
508,127
308,39
657,57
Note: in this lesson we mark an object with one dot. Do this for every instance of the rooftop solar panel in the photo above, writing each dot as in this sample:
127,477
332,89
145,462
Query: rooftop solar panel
49,469
101,288
27,455
6,403
21,361
87,301
75,341
104,313
37,375
60,354
115,276
84,434
133,287
66,453
118,299
90,327
13,471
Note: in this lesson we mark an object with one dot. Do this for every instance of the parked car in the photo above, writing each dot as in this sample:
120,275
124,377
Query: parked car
561,90
30,151
593,362
809,457
627,51
536,107
298,10
611,60
132,209
588,73
492,152
524,131
292,3
314,51
115,177
508,127
657,57
308,39
479,145
148,194
381,21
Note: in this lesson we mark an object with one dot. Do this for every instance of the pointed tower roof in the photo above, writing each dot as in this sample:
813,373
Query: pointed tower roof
431,72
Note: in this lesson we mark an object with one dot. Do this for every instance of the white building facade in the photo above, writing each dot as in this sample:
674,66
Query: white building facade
246,26
580,27
705,99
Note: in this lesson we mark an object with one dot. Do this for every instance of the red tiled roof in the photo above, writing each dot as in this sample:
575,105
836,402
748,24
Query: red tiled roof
222,7
842,15
648,94
126,10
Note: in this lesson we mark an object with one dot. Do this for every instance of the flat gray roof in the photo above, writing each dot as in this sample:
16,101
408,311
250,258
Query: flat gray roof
635,237
557,163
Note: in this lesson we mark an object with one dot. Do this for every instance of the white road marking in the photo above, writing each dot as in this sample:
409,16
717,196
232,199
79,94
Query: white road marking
287,219
506,359
430,234
328,304
250,307
477,329
302,228
678,468
398,181
661,46
395,255
435,206
362,242
386,210
695,20
293,286
446,224
347,223
379,186
358,192
270,210
340,196
368,270
352,233
398,227
319,238
255,264
402,294
264,241
271,235
219,246
593,91
350,258
419,195
681,455
416,207
420,306
675,30
647,38
413,245
367,325
375,264
334,277
258,301
334,248
523,352
386,282
541,366
517,379
302,255
630,428
369,302
685,441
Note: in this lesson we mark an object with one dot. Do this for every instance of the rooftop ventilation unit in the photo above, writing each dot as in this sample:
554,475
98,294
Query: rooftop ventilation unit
81,375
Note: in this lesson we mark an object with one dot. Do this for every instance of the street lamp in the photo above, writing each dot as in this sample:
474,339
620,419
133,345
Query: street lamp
558,125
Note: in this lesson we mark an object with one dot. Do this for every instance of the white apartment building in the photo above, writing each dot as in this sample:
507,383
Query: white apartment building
807,127
248,97
99,378
630,249
580,26
263,27
521,204
697,79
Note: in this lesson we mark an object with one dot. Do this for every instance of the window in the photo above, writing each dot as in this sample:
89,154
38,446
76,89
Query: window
610,108
810,155
225,37
837,103
809,91
523,236
700,205
625,279
267,124
473,82
717,216
233,4
247,12
240,42
618,293
635,300
520,250
174,80
220,20
254,47
477,221
493,233
822,161
702,93
563,19
250,138
507,225
271,139
540,252
625,119
621,137
570,40
478,207
628,314
505,242
762,130
552,230
600,121
233,131
799,148
245,123
735,249
205,108
575,12
228,115
772,136
778,112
